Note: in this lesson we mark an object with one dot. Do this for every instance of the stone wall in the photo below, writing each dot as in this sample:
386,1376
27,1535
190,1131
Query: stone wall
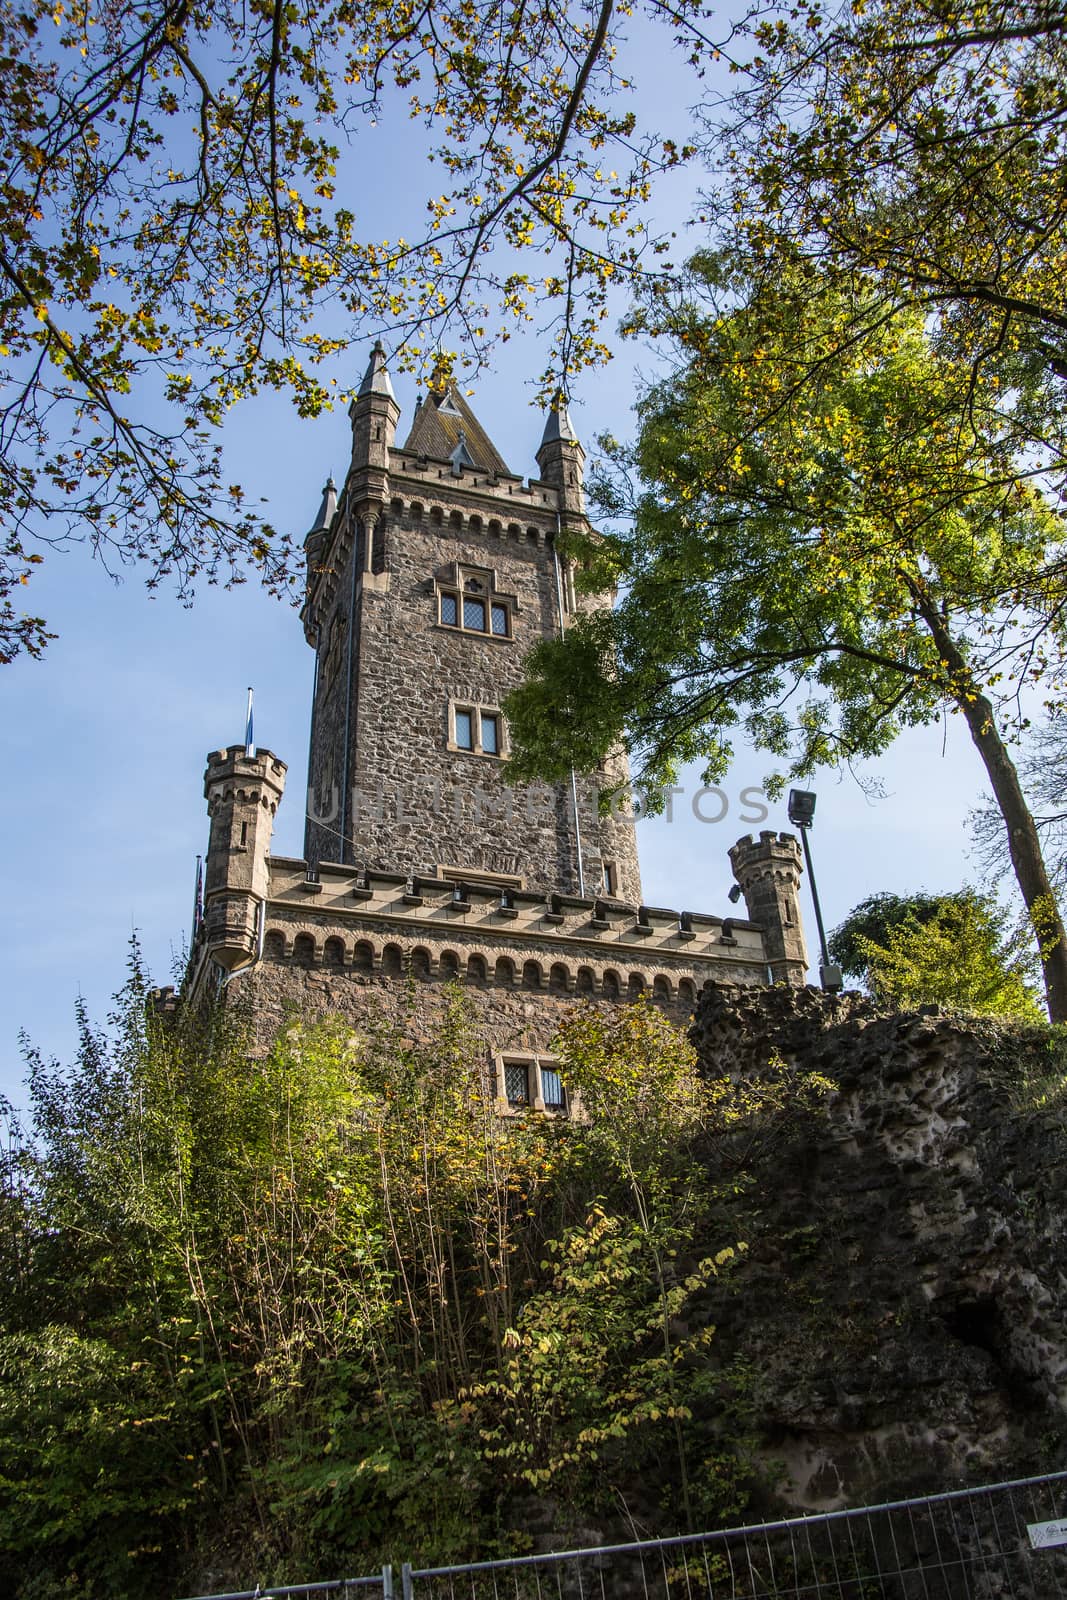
507,1019
339,941
897,1323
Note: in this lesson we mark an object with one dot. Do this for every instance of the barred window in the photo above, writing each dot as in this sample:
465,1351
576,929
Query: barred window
530,1082
517,1083
552,1089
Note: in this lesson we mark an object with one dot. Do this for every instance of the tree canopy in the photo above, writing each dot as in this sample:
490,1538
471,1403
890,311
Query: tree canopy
956,950
185,218
819,563
180,227
920,148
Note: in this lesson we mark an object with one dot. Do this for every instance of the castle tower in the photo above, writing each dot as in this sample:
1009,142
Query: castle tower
768,870
429,579
431,573
242,794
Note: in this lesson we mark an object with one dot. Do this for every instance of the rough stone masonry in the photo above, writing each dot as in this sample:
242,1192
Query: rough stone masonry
896,1324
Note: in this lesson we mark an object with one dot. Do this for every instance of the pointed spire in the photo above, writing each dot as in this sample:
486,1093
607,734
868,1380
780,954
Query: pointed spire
327,508
561,457
558,425
376,378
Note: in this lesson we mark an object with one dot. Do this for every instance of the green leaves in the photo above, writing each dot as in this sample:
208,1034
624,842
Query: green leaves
171,239
841,527
954,950
328,1297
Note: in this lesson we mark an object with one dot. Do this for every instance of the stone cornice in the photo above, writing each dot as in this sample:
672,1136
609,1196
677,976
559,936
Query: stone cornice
602,930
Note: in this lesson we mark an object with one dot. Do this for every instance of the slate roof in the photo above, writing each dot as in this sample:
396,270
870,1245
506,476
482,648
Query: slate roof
558,425
326,509
376,377
436,430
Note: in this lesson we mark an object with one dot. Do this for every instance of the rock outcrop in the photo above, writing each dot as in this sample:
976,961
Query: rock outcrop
896,1323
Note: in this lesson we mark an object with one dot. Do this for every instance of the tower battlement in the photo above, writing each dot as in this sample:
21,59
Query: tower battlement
242,793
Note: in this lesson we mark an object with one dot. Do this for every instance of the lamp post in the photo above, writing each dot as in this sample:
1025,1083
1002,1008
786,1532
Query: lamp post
801,815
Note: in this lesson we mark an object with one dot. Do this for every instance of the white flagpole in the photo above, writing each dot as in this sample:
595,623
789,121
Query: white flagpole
198,895
250,744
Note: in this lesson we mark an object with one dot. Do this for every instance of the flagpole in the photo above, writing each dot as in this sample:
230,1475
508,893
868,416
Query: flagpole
198,894
250,744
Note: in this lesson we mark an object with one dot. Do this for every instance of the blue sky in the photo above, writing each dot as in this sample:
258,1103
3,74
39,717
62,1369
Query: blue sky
103,741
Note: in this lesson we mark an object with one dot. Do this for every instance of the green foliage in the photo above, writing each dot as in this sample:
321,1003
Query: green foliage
179,229
311,1309
874,919
953,950
800,553
918,149
832,539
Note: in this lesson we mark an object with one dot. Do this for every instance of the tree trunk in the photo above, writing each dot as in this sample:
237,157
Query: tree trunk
1023,842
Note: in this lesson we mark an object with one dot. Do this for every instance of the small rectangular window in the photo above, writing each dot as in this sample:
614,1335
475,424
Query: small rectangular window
465,730
474,614
449,610
517,1083
500,620
611,879
552,1091
490,734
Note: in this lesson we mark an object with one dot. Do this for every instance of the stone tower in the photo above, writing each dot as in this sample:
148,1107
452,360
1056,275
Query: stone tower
430,573
768,870
429,577
242,793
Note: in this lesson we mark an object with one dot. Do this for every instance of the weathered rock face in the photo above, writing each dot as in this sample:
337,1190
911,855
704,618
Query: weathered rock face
896,1325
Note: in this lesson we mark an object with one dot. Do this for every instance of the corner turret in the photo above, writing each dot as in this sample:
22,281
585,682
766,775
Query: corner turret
562,461
768,871
374,414
242,794
317,537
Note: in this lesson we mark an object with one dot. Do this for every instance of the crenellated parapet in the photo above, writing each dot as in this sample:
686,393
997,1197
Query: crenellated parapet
395,924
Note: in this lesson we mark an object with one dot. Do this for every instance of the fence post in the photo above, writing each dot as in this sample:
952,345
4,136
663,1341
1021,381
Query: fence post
387,1582
405,1580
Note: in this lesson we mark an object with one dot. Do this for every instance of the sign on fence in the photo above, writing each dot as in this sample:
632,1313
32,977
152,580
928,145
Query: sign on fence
1044,1535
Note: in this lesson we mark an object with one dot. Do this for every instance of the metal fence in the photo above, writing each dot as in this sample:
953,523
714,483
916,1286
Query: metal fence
994,1543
